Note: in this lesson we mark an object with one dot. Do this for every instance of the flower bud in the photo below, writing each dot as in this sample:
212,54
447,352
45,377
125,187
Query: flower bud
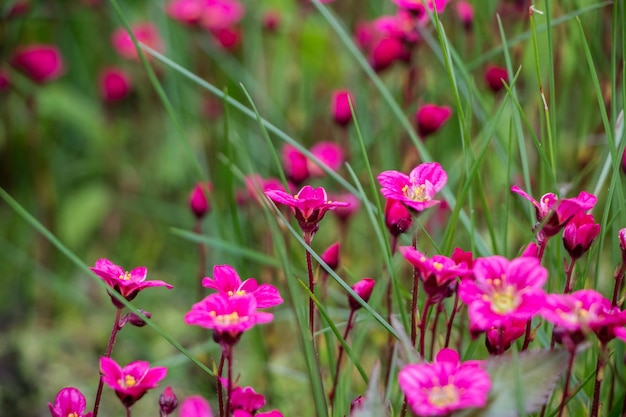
622,243
198,200
495,77
168,401
357,404
397,217
137,321
430,118
295,163
385,52
114,84
465,12
40,63
329,153
331,256
579,234
271,20
340,107
363,289
5,81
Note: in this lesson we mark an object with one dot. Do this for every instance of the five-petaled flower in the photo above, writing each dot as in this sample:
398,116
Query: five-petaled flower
555,212
417,189
446,385
69,402
131,382
226,281
128,284
503,290
195,406
227,316
309,206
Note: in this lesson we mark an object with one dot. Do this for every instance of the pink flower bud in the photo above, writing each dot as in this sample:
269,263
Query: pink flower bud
295,163
19,8
397,217
622,243
430,118
357,404
40,63
624,161
340,107
531,250
329,153
228,38
137,321
363,289
168,401
331,256
385,52
188,12
198,200
579,234
5,81
145,33
465,12
495,76
114,84
271,20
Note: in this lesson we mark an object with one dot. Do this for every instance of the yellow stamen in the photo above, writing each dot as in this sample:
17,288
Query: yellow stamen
438,266
238,292
124,277
128,381
443,396
416,192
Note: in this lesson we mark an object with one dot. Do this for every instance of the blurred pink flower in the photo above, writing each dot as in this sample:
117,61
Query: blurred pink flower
331,256
344,213
41,63
227,316
621,235
227,282
17,8
496,342
363,289
247,399
495,77
579,234
271,20
257,185
145,33
131,382
340,107
221,14
417,189
5,81
186,11
465,12
128,284
114,84
446,385
195,406
228,38
397,217
309,205
69,402
295,163
503,290
329,153
385,52
430,118
559,210
199,200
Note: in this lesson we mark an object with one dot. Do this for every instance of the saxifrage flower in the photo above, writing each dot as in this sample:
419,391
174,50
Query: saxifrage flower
131,382
579,234
446,385
416,190
69,402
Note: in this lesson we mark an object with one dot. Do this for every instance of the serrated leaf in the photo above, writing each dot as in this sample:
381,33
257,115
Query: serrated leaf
373,404
530,376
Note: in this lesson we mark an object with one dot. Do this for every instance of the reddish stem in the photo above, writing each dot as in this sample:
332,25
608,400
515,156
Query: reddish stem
568,273
434,328
331,396
220,394
309,265
452,316
229,389
527,335
427,306
570,364
107,354
595,405
619,277
416,275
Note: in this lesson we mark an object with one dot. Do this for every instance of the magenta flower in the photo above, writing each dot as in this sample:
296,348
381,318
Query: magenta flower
199,200
195,406
340,107
227,316
417,189
495,77
309,205
5,81
579,234
397,217
185,11
503,290
69,402
131,382
329,153
227,282
331,256
346,212
385,52
221,14
128,284
247,399
271,20
622,243
430,118
465,12
438,273
560,211
499,338
114,84
295,164
41,63
446,385
227,38
363,289
145,33
257,185
168,401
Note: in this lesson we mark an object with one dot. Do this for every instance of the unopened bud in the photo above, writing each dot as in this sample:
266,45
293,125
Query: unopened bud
363,289
137,321
168,402
331,256
198,200
397,217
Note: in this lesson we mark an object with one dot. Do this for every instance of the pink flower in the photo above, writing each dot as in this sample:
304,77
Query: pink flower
226,281
221,14
439,388
114,84
340,107
145,33
257,185
622,243
247,399
41,63
128,284
329,153
199,201
309,205
185,11
579,234
417,189
228,38
295,163
345,213
5,81
559,210
503,290
385,52
496,342
430,118
397,217
418,7
465,12
195,406
271,20
495,77
363,289
131,382
438,273
69,402
331,256
227,316
168,401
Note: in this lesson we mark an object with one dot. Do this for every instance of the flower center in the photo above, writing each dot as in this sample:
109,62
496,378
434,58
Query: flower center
503,297
238,292
443,396
228,319
416,192
125,277
438,266
72,415
127,382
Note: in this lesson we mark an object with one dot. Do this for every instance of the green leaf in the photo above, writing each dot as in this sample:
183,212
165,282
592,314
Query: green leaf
530,376
373,404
